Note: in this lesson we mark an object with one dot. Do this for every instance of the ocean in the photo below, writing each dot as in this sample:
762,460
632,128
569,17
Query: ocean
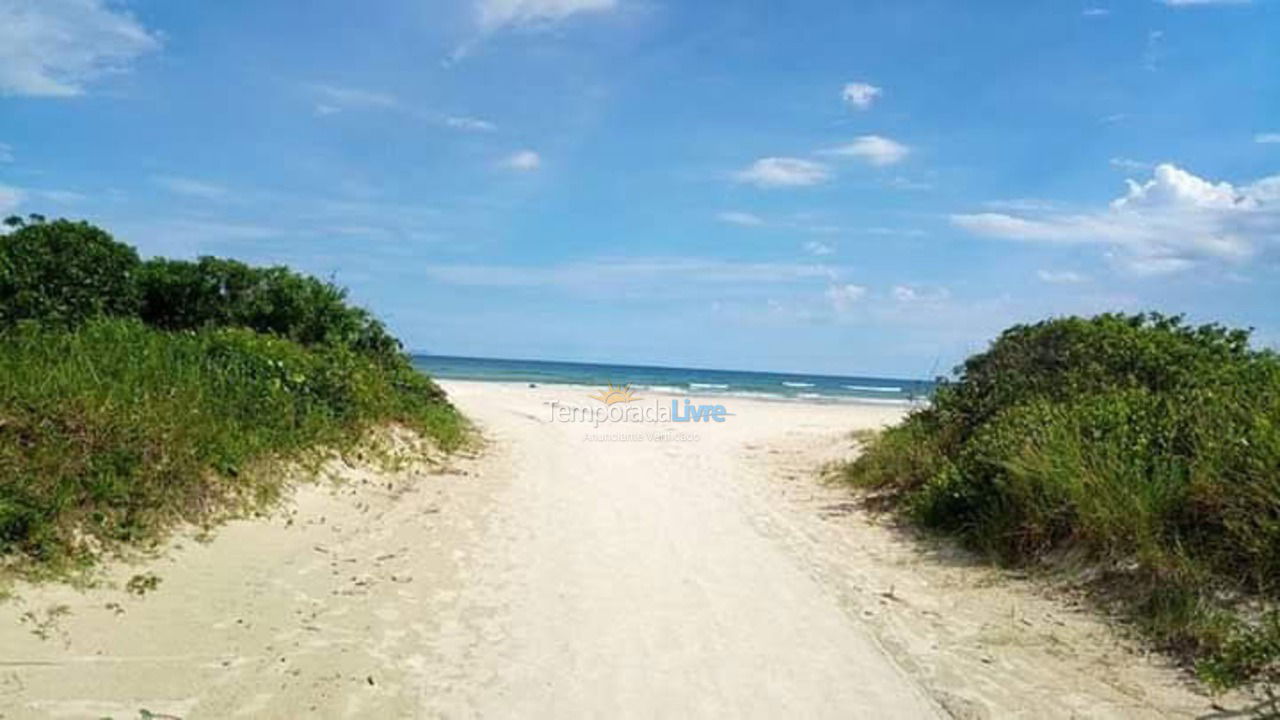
691,381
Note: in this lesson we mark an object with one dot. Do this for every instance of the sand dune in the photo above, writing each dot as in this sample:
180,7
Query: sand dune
560,573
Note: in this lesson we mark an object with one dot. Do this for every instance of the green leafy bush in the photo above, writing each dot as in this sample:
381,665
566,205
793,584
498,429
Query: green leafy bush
63,272
212,292
113,432
1146,445
135,395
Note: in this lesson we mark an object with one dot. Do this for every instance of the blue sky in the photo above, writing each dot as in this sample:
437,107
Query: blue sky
834,186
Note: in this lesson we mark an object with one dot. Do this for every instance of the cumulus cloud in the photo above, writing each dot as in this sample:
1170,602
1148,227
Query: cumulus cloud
745,219
844,297
1267,138
874,149
783,172
494,14
1171,222
860,95
523,160
53,48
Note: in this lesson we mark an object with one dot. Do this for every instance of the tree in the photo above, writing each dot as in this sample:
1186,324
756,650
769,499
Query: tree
63,272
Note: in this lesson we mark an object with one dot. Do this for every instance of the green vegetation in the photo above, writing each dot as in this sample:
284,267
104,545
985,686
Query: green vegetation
1143,447
135,395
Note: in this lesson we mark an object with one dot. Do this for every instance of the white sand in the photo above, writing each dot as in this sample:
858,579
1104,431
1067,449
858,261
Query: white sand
560,576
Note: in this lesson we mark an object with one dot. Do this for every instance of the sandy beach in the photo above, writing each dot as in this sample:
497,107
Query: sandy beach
686,570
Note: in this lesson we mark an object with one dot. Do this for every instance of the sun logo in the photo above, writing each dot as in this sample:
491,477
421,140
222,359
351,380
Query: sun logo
614,395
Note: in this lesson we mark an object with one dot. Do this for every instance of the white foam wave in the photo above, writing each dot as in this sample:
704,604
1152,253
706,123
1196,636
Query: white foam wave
663,389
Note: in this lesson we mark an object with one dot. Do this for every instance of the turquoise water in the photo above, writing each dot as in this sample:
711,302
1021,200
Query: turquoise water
694,381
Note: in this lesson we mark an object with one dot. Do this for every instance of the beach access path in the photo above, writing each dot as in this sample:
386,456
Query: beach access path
563,571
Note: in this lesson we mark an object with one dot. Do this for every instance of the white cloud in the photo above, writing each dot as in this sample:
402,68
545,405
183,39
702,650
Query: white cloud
874,149
62,197
523,160
190,187
843,297
53,48
1267,138
816,247
1158,265
906,183
916,294
470,124
10,199
332,99
499,13
1171,222
783,172
1061,277
894,232
618,274
1172,186
860,95
494,15
1022,204
744,219
1153,53
1129,164
1096,12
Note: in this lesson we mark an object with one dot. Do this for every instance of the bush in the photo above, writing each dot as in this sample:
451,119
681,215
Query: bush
63,272
1146,445
136,395
211,292
112,433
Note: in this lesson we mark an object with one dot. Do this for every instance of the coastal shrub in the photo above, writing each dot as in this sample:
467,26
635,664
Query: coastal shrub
214,292
62,272
115,431
134,395
1146,446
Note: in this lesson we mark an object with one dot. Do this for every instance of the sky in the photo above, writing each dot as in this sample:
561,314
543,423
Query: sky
836,186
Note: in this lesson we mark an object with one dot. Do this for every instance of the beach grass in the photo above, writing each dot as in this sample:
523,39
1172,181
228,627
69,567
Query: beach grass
114,426
1143,448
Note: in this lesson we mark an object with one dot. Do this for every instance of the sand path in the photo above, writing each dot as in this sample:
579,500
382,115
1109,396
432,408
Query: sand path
558,575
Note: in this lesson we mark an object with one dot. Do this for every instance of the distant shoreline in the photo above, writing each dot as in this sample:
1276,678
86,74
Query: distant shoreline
672,381
585,391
